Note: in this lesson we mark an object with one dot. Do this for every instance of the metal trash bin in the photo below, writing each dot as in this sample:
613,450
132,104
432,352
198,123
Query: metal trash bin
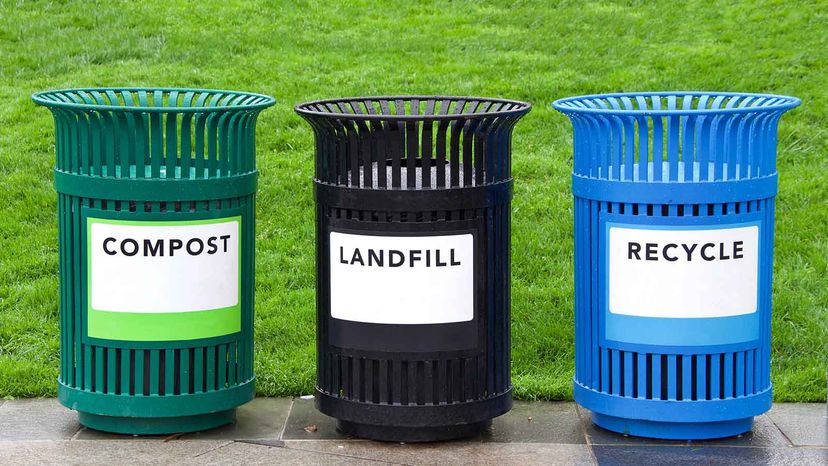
156,196
674,208
413,263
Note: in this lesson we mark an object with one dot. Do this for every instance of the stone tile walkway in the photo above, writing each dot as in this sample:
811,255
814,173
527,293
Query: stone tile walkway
278,431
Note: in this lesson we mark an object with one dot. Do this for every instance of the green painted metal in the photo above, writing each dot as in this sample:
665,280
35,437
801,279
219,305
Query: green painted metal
152,155
153,406
148,189
154,425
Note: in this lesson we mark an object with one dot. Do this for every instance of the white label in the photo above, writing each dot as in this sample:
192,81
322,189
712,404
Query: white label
683,273
402,279
164,267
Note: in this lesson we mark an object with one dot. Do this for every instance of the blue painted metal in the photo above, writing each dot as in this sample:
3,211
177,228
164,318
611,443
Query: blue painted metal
665,160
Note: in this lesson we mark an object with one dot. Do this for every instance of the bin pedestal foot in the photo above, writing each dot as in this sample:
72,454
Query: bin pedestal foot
156,425
673,430
411,434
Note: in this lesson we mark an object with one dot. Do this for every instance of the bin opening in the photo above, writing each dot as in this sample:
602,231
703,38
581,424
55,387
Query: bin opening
167,100
412,108
424,141
675,103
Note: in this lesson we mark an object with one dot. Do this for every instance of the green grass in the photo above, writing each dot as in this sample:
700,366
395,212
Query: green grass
314,49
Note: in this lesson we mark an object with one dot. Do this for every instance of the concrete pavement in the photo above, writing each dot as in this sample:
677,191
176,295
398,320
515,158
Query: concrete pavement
291,431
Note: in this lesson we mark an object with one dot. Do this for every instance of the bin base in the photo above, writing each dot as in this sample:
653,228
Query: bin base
673,430
156,425
156,415
413,423
411,434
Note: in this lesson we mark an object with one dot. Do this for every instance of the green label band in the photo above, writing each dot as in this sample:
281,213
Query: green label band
163,280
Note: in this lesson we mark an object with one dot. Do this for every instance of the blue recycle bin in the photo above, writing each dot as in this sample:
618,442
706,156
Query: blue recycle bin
674,209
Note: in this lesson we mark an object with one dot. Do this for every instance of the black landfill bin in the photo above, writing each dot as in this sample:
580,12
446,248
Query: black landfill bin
413,205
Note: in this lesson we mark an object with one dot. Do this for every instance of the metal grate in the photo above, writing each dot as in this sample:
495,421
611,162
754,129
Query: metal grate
424,142
672,160
132,370
436,378
152,155
407,166
154,134
687,376
690,137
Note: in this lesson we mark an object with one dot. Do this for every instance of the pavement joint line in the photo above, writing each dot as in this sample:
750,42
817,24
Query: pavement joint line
340,440
696,445
275,443
286,446
344,455
788,439
75,435
475,442
287,419
219,447
586,436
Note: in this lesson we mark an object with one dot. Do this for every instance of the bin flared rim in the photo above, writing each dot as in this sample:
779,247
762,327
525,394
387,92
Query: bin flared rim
785,103
40,99
521,109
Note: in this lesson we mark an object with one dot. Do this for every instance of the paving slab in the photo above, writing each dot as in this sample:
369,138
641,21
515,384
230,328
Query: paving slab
457,452
538,422
764,434
306,423
262,418
631,455
103,452
36,419
285,431
254,454
803,423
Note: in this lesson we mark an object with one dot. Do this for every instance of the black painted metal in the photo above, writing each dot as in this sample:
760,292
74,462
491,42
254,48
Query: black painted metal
416,165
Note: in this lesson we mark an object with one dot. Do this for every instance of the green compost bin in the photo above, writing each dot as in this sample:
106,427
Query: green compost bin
156,224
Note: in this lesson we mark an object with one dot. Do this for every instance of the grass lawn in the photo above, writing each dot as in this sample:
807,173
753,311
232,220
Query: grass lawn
314,49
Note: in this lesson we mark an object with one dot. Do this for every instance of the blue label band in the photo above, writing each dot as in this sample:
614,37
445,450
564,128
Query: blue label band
679,282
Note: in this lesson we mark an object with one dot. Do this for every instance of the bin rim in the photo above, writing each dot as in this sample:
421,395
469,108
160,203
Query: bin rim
40,98
521,109
785,103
